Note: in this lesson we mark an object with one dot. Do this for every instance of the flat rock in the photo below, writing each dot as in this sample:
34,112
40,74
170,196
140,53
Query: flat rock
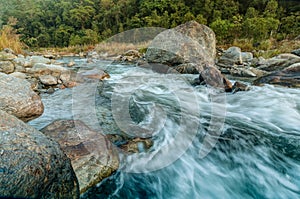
289,77
18,75
46,69
17,98
93,157
279,62
32,165
48,80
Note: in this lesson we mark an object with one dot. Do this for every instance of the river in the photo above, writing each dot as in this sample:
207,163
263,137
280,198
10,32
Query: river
257,149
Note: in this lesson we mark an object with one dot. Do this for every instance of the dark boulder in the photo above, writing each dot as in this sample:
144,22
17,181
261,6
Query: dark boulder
32,165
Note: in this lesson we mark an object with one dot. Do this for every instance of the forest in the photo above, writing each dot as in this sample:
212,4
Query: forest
61,23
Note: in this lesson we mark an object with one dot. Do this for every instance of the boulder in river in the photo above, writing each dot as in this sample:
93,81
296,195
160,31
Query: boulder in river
93,157
17,98
296,52
188,43
31,164
289,77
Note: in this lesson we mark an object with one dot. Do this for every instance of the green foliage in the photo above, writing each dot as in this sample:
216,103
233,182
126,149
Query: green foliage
59,23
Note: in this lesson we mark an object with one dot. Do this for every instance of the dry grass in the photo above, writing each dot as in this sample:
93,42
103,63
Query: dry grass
9,39
115,48
77,49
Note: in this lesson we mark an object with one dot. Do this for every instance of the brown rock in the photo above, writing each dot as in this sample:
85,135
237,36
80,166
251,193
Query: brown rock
93,157
6,67
17,98
238,86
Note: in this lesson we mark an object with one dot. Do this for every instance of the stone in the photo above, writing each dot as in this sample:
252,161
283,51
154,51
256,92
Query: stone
188,68
6,67
18,75
31,164
238,86
39,60
188,43
231,56
92,156
296,52
48,80
17,98
213,78
46,69
94,74
19,68
4,56
247,57
288,77
279,62
130,145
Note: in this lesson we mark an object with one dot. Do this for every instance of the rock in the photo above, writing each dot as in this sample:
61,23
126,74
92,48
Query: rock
6,67
130,145
131,56
24,62
48,80
18,75
296,52
231,56
213,77
46,69
188,68
4,56
279,62
247,57
238,86
288,77
92,156
32,165
8,50
39,60
71,63
17,98
187,43
19,68
95,74
50,90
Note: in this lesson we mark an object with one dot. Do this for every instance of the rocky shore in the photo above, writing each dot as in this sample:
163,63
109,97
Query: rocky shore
67,158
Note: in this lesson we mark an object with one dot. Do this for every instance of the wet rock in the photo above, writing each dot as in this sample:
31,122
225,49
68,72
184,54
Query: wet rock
131,145
48,80
238,86
131,56
17,98
71,63
95,74
46,69
279,62
296,52
92,156
288,77
213,77
18,75
187,43
6,67
32,165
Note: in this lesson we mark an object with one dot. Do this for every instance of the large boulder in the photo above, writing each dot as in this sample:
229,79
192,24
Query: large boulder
288,77
17,98
6,67
187,43
93,157
231,56
296,52
32,165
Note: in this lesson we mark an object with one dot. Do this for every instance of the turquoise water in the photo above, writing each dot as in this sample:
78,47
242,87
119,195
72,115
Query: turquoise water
257,154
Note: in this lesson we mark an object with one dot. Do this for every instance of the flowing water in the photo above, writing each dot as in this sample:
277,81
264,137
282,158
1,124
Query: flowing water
257,154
